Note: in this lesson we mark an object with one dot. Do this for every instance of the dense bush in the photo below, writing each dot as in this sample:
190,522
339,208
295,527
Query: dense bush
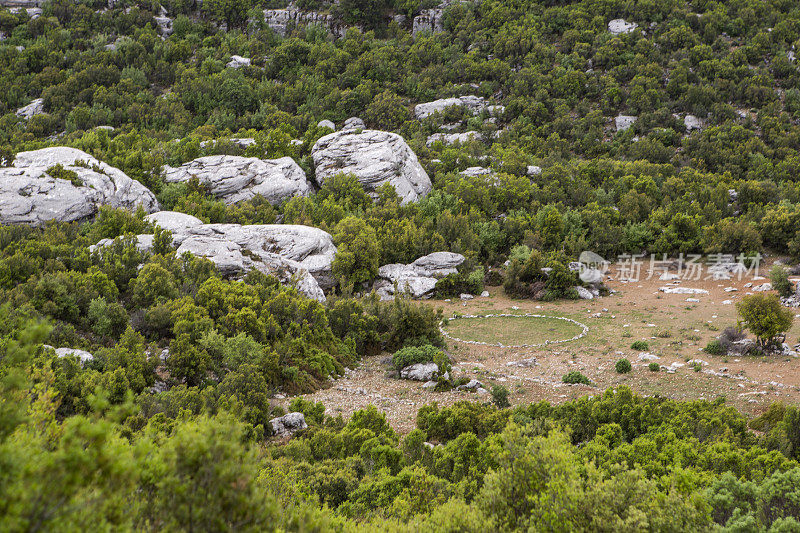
411,355
623,366
575,377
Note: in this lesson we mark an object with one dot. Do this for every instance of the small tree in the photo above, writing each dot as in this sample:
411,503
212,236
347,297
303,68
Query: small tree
764,316
779,277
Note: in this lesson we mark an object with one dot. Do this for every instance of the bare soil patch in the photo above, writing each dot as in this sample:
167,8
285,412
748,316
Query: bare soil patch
675,329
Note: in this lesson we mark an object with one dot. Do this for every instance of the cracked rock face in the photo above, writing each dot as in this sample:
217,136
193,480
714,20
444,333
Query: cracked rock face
31,196
297,255
36,107
374,157
418,278
429,20
235,179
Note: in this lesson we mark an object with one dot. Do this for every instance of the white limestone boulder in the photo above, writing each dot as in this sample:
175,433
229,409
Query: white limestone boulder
451,138
36,107
473,104
31,196
420,372
297,255
235,179
238,62
82,355
375,158
621,26
173,221
623,122
288,424
419,278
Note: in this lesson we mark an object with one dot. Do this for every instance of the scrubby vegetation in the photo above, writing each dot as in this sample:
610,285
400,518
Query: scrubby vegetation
167,425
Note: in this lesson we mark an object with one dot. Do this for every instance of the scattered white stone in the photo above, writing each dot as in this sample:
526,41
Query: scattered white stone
682,290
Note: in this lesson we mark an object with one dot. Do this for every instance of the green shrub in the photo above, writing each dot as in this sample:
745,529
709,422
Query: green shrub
411,355
59,172
654,367
714,347
500,396
574,377
641,346
779,277
623,366
455,284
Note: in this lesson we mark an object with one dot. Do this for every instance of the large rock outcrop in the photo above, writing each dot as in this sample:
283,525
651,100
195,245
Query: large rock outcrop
298,255
419,278
374,157
30,195
235,179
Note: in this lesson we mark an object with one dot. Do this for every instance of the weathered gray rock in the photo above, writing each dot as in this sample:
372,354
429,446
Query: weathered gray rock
164,25
692,123
472,172
584,293
428,20
374,157
288,424
473,104
420,372
623,122
741,347
325,123
419,278
452,138
281,21
235,179
354,123
29,195
82,355
173,221
472,385
36,107
298,255
238,62
534,170
621,26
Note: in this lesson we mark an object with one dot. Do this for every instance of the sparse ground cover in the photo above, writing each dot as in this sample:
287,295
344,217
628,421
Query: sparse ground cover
674,329
509,330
